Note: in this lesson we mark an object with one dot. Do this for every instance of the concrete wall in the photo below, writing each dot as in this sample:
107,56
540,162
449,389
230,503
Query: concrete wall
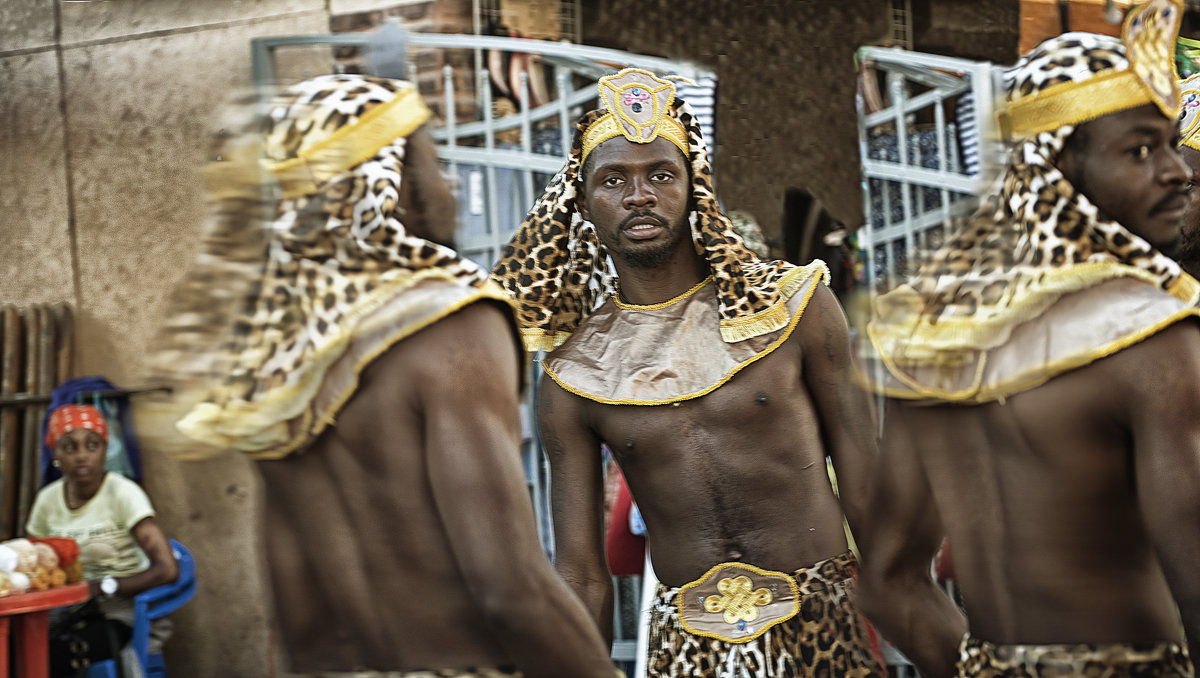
106,112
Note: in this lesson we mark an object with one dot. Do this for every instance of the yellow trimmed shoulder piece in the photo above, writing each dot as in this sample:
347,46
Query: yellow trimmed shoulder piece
1075,330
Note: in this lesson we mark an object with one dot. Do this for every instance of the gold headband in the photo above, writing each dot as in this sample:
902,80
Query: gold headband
638,104
1149,37
1073,103
350,145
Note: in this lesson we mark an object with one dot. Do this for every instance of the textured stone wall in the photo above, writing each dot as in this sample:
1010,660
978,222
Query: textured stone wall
986,31
786,115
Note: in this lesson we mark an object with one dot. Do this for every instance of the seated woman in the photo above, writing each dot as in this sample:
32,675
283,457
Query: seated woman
121,546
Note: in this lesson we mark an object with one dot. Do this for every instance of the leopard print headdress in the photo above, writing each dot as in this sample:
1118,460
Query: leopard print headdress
558,271
1039,238
302,272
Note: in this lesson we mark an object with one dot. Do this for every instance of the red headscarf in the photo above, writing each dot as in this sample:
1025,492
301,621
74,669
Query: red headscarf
70,417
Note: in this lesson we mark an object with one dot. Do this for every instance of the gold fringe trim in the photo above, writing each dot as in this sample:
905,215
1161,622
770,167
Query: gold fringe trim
775,316
541,340
912,340
351,145
260,429
1073,103
791,326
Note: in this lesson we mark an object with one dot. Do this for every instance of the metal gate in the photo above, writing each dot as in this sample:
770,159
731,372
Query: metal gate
926,139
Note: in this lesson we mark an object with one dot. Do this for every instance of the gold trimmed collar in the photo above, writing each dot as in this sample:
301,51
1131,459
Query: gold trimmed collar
654,307
350,145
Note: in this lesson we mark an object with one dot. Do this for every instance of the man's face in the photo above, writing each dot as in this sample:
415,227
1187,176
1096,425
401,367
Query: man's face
638,198
1189,241
1128,165
425,195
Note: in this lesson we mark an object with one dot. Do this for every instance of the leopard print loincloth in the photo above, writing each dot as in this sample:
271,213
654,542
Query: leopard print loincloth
827,638
979,658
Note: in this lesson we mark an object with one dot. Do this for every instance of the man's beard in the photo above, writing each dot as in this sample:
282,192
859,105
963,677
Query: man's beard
648,257
1187,252
655,255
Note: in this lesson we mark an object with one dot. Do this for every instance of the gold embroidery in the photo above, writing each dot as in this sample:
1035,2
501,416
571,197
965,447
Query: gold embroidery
1189,112
1149,35
737,600
726,615
637,103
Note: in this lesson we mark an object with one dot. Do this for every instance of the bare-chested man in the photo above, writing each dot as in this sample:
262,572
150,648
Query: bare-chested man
720,382
1043,370
375,375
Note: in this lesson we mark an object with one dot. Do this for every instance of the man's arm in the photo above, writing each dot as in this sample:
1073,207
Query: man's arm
1163,398
468,370
896,591
577,500
843,406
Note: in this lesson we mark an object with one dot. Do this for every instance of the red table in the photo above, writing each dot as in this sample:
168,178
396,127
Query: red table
30,617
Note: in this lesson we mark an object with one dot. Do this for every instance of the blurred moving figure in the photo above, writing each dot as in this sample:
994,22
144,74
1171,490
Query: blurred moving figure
1043,374
375,375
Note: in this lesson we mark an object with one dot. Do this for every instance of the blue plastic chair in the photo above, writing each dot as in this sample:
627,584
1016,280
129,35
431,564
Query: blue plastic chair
148,606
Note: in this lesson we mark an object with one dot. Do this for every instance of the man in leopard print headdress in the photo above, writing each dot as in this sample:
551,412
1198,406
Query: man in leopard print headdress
374,374
1189,148
719,381
1042,372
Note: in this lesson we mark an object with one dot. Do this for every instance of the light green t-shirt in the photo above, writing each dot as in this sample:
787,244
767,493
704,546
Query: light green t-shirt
103,526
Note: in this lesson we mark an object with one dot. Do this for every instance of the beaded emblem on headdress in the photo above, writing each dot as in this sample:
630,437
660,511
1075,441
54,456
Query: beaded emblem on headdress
1149,36
1189,112
637,103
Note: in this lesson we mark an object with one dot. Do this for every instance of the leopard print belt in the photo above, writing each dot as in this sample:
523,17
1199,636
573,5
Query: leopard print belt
980,658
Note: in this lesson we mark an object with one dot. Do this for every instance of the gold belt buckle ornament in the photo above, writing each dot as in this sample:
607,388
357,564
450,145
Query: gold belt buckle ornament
737,603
